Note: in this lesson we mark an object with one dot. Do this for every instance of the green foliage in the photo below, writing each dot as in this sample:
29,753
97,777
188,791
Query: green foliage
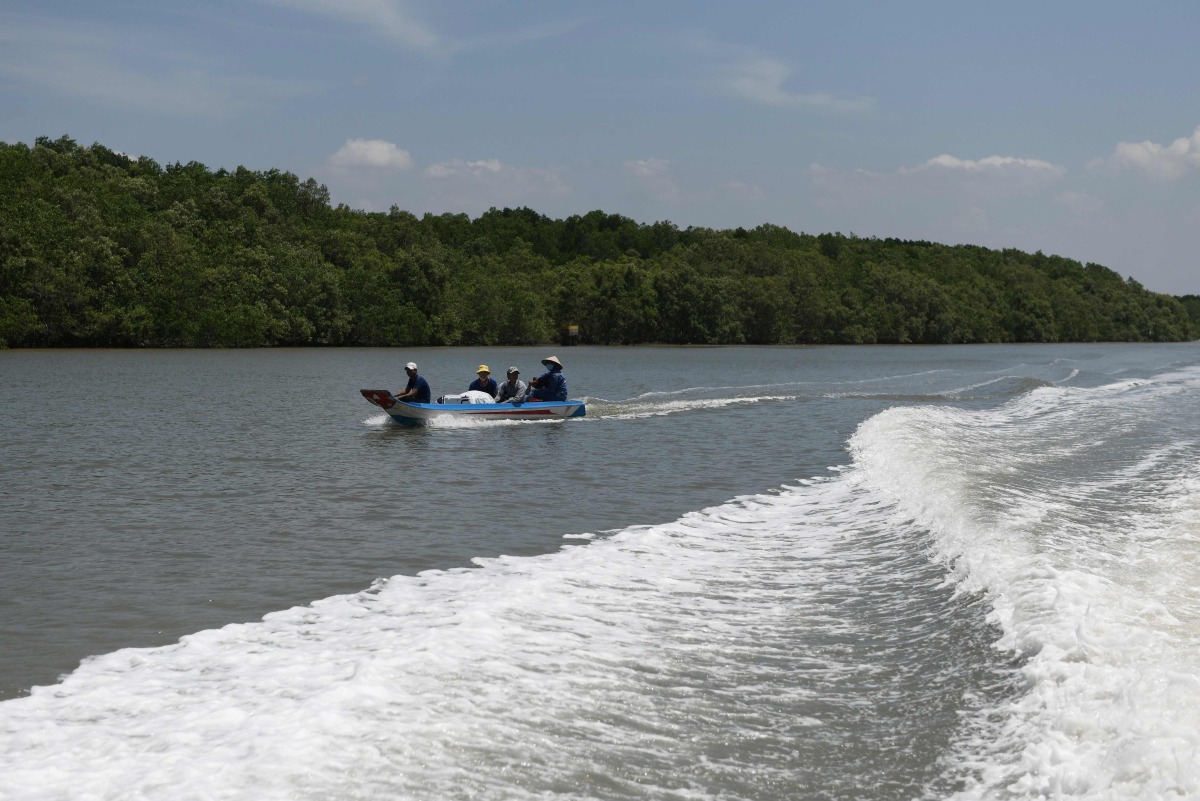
99,249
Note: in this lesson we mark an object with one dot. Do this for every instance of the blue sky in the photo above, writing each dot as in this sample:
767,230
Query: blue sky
1068,127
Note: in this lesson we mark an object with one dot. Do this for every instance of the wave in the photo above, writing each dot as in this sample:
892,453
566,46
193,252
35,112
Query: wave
658,407
656,404
742,647
1077,513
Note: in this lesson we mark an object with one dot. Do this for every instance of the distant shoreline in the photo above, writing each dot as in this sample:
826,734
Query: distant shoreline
106,251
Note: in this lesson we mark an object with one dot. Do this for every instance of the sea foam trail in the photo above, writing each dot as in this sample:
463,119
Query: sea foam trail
739,652
1077,512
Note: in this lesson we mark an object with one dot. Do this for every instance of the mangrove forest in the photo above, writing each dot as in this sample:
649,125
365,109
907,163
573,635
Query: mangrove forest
98,249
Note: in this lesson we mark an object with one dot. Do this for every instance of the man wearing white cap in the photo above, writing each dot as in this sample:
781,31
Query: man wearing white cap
417,390
550,385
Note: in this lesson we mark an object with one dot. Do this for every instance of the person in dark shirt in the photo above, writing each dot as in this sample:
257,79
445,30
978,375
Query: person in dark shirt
417,390
550,385
485,382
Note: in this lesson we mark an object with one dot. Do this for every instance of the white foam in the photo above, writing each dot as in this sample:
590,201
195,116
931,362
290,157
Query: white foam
979,385
451,421
1081,525
639,408
520,678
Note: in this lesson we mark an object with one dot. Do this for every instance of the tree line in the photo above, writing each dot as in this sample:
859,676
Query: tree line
100,249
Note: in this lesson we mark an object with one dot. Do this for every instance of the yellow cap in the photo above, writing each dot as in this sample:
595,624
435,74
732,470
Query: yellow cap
483,368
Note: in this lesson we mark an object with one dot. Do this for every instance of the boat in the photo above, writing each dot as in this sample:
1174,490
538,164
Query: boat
417,414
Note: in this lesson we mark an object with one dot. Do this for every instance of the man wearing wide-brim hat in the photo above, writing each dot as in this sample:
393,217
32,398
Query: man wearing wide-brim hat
550,385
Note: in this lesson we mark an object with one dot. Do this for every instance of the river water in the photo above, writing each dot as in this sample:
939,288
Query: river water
748,573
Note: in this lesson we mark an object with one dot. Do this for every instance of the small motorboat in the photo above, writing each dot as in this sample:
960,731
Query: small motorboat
416,414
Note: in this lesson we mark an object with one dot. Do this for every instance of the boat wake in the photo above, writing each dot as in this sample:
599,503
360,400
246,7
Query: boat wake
657,657
658,404
646,406
1076,513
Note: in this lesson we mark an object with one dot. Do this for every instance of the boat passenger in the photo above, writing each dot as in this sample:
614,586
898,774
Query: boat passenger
417,390
550,385
513,390
485,382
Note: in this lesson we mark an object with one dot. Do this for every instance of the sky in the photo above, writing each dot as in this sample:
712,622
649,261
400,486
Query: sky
1071,127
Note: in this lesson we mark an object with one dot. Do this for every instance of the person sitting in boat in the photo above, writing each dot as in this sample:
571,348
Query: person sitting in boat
485,382
417,390
550,385
513,390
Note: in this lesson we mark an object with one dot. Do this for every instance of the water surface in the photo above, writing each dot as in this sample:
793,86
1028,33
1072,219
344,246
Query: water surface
870,572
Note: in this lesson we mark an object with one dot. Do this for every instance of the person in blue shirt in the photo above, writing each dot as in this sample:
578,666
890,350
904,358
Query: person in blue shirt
550,385
417,390
485,382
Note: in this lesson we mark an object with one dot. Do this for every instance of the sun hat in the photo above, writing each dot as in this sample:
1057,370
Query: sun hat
410,366
483,368
552,360
512,370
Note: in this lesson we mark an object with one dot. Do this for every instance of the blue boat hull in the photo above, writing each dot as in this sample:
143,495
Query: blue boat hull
417,414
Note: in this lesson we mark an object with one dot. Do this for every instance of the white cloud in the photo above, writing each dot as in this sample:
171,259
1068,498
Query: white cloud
990,178
475,186
1154,160
457,169
371,154
373,172
648,168
993,165
391,19
993,176
760,79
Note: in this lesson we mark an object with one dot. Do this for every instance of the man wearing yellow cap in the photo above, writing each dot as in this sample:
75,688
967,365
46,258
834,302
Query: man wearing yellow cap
485,382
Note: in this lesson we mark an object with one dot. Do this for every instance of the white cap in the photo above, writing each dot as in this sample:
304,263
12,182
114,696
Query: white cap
410,366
